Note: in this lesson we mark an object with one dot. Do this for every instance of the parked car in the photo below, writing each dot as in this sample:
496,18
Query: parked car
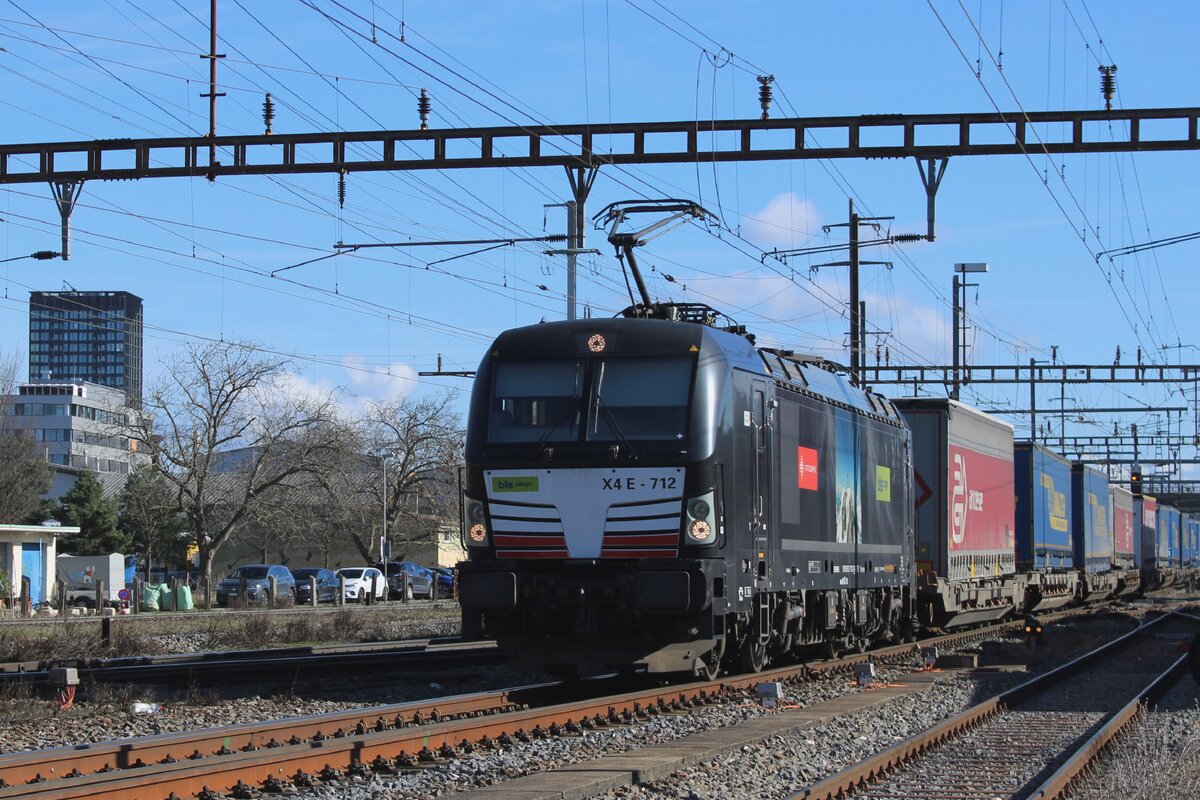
258,578
359,581
408,580
445,581
327,584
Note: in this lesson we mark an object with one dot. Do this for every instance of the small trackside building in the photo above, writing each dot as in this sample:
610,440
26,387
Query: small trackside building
28,551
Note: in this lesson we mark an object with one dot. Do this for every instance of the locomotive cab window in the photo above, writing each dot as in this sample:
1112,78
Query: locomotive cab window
639,399
536,400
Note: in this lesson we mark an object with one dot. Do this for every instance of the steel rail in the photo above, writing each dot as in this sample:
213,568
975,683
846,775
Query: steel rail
870,770
1058,785
390,736
251,665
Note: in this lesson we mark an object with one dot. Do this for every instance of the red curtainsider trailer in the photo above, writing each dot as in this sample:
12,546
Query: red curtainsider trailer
965,531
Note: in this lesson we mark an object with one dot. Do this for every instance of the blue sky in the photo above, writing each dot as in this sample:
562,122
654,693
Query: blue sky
201,254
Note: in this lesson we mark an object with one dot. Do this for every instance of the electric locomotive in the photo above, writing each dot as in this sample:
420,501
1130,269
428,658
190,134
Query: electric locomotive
659,494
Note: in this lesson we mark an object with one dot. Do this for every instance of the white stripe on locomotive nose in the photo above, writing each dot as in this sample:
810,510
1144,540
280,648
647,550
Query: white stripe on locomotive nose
584,499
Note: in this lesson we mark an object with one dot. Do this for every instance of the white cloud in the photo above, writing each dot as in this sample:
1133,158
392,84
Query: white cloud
787,221
359,384
378,382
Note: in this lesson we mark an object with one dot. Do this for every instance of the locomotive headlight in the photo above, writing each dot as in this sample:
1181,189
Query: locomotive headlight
700,527
477,532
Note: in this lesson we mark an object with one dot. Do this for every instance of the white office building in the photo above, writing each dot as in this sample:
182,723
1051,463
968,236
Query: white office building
77,425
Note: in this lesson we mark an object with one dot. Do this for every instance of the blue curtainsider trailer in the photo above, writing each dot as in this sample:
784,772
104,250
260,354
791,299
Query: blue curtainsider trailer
1043,514
1091,534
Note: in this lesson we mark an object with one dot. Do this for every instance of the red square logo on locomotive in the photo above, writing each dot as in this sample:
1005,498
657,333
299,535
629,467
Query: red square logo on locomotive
806,462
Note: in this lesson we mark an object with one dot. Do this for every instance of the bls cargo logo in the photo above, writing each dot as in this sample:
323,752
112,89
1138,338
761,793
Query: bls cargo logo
958,500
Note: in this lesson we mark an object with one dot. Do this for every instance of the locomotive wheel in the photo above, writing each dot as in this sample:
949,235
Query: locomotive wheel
708,666
754,655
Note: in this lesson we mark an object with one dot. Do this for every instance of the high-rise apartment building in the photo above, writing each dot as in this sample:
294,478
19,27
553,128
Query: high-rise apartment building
87,336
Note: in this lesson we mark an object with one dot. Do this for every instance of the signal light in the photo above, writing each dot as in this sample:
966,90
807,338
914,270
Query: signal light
1135,481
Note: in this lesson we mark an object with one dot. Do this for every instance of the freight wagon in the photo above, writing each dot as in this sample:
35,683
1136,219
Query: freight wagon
1043,526
1166,544
1126,532
1091,533
965,537
1189,542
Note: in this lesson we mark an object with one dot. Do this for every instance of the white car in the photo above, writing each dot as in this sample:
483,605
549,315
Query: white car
358,583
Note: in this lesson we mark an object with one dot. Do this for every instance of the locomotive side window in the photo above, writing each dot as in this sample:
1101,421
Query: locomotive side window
639,399
535,400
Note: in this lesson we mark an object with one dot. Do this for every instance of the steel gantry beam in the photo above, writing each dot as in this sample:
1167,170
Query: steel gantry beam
943,375
920,136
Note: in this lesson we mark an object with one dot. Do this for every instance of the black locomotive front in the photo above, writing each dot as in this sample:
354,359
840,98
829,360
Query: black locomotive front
593,502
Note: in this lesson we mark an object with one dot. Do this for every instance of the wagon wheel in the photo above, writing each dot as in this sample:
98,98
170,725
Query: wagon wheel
754,654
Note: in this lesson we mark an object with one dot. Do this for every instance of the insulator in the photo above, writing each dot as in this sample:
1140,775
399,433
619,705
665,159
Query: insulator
268,109
1108,84
764,94
901,238
341,189
423,109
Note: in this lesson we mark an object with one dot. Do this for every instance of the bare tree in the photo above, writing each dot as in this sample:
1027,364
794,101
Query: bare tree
410,450
24,474
421,442
224,431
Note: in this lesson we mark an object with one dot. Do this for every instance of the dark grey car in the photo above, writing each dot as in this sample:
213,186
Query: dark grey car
406,579
258,577
327,584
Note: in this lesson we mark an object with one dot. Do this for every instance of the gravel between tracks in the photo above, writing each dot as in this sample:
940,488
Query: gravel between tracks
771,770
1157,759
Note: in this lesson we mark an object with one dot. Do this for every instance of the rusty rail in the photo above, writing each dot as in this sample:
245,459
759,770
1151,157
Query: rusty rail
384,738
844,783
1058,785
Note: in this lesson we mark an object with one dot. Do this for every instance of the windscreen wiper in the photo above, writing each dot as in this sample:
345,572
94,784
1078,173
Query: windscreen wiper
572,407
602,407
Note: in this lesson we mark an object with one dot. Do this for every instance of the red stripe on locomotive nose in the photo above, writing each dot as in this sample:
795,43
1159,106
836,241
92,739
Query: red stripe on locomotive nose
652,539
531,553
530,541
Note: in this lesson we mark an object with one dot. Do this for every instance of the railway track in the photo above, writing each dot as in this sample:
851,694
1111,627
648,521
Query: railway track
1032,741
248,665
273,755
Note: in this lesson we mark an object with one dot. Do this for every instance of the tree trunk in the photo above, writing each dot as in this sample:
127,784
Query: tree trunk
206,571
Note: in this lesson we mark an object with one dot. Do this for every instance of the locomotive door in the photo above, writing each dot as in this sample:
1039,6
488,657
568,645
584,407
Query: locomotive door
760,411
761,480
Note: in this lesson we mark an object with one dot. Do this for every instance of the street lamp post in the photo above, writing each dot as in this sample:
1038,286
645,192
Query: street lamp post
960,317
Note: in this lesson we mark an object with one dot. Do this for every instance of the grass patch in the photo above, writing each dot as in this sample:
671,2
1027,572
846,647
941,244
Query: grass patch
1158,758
